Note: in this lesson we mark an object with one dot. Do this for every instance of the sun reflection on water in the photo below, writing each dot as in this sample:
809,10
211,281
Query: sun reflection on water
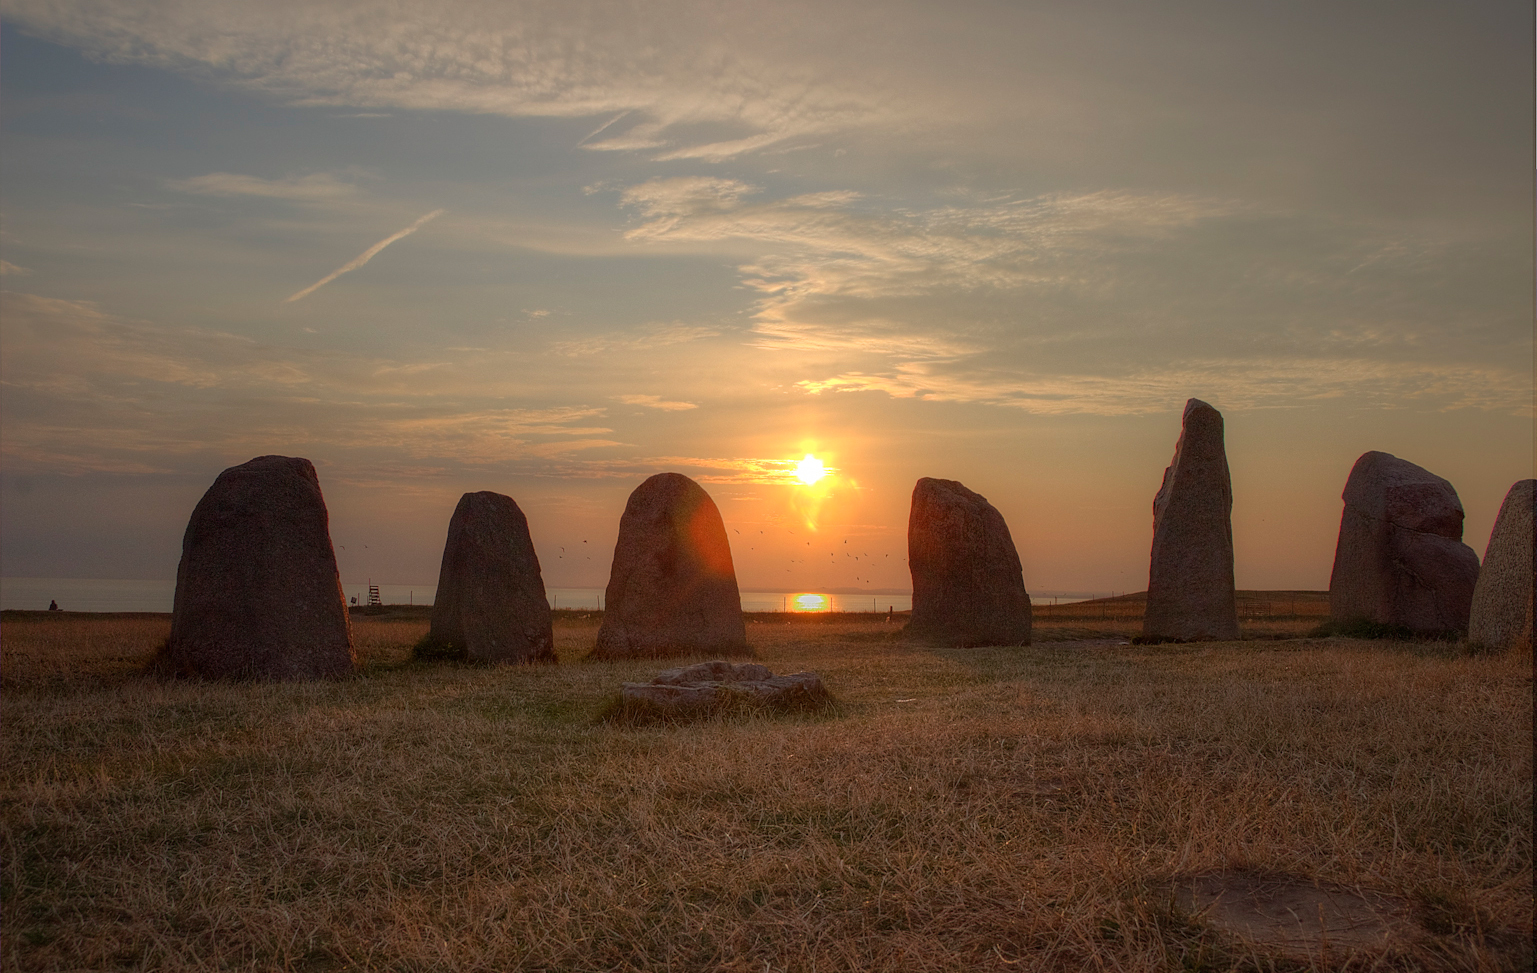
809,603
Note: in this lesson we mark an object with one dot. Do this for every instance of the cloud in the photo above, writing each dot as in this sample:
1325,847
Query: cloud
1107,302
734,470
656,402
1259,383
652,336
318,186
361,258
685,196
84,390
8,269
660,74
819,248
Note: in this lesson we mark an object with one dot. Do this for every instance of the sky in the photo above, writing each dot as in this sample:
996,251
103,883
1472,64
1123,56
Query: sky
550,249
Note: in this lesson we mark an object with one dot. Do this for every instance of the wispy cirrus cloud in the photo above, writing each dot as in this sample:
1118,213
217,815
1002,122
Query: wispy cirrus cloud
1256,383
85,390
1056,303
739,470
311,188
639,339
698,83
823,249
656,402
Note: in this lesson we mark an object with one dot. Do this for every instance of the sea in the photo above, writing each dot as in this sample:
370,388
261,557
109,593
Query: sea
97,595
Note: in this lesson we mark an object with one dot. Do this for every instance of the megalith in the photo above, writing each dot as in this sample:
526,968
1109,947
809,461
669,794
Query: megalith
1400,560
1501,616
490,604
1190,576
672,590
968,587
257,592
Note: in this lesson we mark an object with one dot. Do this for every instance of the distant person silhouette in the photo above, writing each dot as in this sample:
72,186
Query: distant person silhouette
53,606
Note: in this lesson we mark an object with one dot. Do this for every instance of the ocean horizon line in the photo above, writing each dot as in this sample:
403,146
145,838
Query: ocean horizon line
158,595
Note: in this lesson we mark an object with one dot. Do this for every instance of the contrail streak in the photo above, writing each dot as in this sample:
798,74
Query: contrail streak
362,258
603,126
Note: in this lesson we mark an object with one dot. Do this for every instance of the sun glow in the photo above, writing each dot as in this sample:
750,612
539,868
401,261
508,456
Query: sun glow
809,470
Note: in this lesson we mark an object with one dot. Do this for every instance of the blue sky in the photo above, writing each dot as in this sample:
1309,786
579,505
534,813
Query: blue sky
986,243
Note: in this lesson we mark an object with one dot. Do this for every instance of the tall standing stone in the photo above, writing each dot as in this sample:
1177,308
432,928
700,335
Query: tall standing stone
490,604
968,588
1400,559
1190,579
257,593
672,590
1501,616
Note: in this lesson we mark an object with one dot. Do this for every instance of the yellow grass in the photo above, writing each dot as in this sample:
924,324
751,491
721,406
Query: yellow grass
976,809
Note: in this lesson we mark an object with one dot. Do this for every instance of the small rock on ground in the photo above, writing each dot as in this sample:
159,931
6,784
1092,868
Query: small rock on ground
707,686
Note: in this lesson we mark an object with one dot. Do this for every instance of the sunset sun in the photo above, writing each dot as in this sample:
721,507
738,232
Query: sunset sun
809,470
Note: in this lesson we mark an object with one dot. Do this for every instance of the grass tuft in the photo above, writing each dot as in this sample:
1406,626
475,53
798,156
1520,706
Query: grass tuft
431,649
1365,628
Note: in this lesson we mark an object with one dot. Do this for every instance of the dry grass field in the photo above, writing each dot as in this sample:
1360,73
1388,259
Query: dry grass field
1064,806
1261,614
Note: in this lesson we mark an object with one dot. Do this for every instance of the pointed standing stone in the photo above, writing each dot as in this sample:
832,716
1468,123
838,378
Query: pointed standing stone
672,590
490,604
968,588
257,593
1190,580
1400,559
1501,616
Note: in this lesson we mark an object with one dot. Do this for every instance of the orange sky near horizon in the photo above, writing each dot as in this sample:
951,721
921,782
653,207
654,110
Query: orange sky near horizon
552,249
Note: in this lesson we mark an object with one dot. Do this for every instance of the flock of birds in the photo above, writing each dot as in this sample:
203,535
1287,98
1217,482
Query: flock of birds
865,558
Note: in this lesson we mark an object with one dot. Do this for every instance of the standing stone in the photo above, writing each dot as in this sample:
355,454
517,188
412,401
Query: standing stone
1501,617
1190,574
1400,559
257,593
968,588
672,590
1190,579
490,604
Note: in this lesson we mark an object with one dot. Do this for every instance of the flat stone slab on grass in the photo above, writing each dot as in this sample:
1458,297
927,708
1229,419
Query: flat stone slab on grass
1299,919
706,688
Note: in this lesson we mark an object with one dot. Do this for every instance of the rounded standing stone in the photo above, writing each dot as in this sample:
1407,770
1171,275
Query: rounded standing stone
257,592
490,604
672,590
1400,560
1501,615
968,587
1190,591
